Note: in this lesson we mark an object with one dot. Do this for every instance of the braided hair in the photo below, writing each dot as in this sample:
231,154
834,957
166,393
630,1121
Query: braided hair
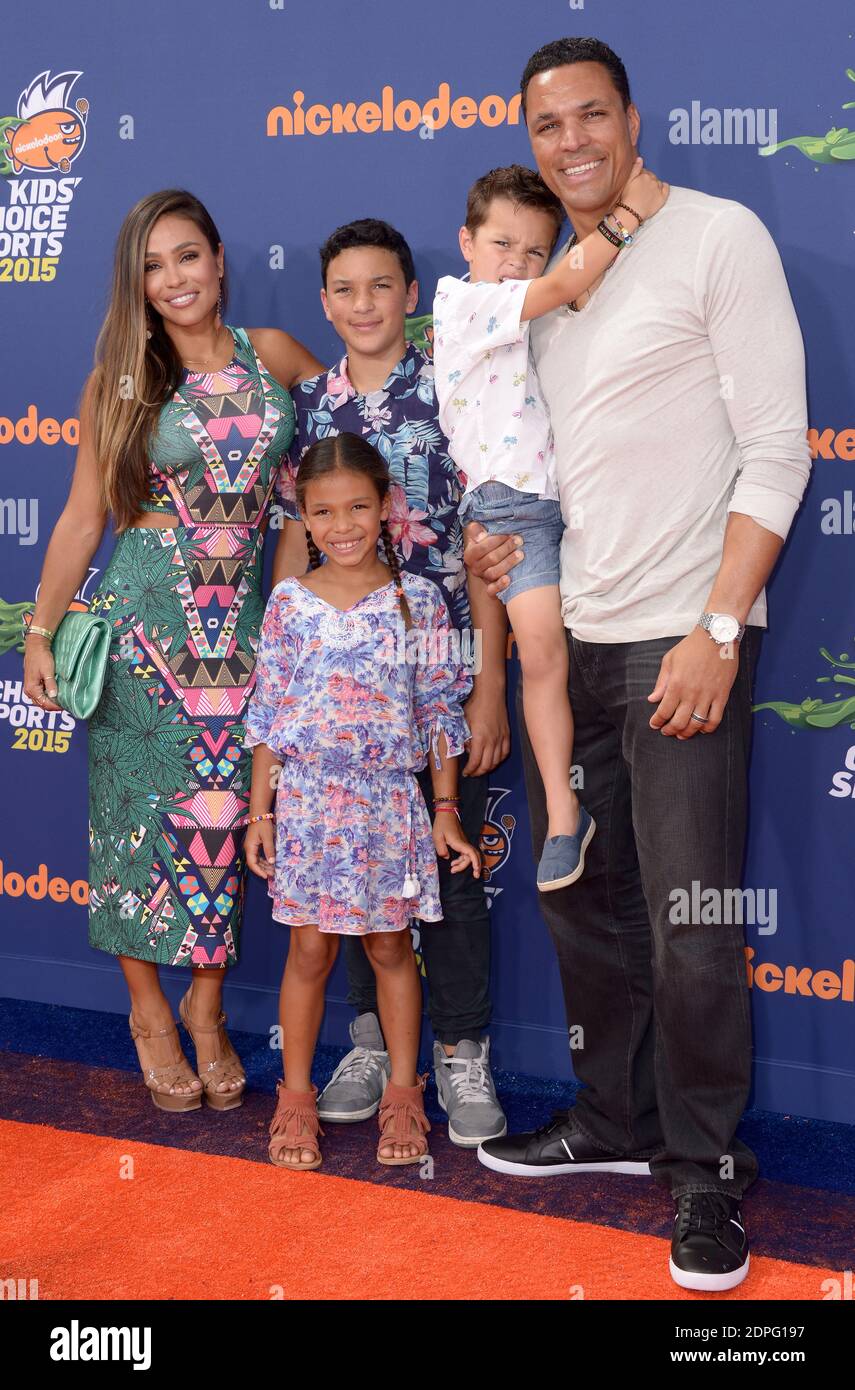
352,453
394,565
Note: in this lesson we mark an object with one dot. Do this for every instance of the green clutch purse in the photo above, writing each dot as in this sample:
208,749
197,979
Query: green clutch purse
80,647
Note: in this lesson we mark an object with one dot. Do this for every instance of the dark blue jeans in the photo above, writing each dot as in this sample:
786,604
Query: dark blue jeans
665,1055
456,951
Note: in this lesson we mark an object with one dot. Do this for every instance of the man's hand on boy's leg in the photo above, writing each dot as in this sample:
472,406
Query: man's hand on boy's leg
490,557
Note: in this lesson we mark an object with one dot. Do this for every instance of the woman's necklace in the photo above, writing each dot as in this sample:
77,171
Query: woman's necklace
205,361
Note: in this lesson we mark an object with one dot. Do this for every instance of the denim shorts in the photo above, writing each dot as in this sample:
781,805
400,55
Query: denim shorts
504,510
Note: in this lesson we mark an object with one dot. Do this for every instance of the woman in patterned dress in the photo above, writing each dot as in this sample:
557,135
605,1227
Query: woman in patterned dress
184,424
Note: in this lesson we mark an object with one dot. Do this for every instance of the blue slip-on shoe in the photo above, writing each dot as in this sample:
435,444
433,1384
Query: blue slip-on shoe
563,858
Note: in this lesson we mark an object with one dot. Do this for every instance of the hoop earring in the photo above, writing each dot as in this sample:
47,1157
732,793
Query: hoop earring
147,322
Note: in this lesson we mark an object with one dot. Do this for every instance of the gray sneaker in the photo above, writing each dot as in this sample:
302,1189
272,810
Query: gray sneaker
356,1087
467,1094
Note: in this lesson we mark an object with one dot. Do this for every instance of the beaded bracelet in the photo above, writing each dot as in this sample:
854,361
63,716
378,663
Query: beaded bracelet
626,236
266,815
632,212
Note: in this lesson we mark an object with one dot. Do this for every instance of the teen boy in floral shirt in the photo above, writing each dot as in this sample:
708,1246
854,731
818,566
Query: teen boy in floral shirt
383,389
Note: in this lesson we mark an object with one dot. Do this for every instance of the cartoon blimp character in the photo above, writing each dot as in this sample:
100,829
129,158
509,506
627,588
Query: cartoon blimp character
52,132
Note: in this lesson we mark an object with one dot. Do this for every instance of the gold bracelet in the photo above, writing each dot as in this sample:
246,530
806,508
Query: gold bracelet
40,632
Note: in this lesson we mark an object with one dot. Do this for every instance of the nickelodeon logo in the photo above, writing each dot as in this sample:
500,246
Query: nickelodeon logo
801,979
406,114
831,444
38,886
29,428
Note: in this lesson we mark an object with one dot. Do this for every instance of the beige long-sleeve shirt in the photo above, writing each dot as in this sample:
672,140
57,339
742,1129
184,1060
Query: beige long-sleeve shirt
677,394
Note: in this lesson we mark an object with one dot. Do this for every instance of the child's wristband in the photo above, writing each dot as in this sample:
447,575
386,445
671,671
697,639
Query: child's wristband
609,235
624,233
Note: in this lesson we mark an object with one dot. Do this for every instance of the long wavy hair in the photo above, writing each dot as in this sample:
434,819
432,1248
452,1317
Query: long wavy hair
353,454
135,375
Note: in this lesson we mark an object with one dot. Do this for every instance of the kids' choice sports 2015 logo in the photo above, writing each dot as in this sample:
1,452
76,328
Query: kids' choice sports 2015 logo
38,146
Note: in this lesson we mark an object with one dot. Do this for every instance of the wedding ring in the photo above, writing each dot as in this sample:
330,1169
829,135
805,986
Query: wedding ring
700,718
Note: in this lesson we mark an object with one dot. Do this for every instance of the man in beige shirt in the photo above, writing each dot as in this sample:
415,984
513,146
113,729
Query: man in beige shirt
677,396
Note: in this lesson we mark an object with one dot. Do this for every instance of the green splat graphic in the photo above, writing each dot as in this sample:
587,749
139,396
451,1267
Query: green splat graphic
836,146
8,125
419,330
820,714
12,626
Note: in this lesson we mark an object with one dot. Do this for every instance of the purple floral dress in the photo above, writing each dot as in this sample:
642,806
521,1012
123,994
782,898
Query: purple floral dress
352,705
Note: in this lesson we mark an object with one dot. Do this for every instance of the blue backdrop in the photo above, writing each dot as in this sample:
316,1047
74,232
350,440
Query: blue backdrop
182,95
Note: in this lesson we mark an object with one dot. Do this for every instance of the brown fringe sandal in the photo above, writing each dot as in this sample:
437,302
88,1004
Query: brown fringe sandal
403,1121
295,1125
175,1074
225,1068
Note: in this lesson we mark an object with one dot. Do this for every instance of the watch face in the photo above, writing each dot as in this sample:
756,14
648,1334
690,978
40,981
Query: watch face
724,628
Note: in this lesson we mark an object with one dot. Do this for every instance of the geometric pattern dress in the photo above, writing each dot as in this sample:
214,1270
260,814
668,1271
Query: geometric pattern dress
169,776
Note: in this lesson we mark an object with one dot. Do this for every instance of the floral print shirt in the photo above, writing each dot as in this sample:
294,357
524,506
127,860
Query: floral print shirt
400,420
353,687
490,402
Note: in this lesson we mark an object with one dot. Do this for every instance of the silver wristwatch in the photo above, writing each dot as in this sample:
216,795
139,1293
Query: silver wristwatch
722,627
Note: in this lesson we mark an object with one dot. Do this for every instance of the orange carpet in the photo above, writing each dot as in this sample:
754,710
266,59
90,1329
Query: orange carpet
188,1225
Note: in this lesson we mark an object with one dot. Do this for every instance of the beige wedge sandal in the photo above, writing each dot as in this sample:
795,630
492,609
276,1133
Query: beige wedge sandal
225,1068
175,1074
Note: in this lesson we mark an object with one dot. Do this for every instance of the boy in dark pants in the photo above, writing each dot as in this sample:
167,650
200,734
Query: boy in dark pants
383,389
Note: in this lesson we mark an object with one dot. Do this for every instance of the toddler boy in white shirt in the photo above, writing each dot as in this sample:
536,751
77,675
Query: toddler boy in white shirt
497,425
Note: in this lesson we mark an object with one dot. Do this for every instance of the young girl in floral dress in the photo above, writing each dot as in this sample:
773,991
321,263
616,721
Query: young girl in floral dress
357,685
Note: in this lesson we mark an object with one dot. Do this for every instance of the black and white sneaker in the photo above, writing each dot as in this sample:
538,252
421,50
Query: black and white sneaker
709,1247
552,1150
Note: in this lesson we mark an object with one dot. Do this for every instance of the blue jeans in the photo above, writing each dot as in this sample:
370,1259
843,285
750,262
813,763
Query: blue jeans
665,1061
456,951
